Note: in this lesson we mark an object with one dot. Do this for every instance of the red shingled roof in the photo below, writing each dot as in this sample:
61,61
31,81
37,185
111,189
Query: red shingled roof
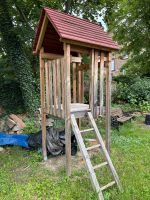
76,29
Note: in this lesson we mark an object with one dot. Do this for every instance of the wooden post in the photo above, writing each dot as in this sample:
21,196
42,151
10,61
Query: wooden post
42,90
101,90
108,101
91,94
63,86
74,71
95,84
50,87
82,86
47,86
67,107
80,83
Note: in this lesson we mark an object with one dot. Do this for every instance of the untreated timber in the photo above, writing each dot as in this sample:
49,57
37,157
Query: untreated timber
67,107
108,101
101,86
41,36
42,90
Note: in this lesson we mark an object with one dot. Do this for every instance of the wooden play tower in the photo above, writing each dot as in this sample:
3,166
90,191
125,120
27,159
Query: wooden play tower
61,41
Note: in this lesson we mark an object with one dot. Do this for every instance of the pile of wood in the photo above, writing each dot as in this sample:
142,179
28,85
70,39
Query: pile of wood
15,124
119,117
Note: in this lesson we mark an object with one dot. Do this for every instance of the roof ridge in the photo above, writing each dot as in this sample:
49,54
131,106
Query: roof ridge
77,17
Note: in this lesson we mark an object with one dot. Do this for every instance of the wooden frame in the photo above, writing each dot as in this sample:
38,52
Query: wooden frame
55,80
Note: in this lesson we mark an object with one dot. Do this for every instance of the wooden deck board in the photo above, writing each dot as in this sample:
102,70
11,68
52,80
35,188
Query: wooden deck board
79,109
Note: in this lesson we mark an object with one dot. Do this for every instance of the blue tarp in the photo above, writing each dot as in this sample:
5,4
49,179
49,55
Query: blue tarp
14,139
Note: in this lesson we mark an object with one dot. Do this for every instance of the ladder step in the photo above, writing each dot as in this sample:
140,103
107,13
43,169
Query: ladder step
87,130
100,165
108,185
93,147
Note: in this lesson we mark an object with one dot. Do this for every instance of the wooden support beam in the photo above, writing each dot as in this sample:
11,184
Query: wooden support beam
58,87
63,86
74,76
51,56
43,121
42,33
54,87
108,101
79,49
86,45
91,94
101,82
95,84
47,86
76,59
50,87
80,83
67,107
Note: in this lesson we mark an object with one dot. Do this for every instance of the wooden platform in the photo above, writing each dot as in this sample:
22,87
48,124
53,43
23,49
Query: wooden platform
78,109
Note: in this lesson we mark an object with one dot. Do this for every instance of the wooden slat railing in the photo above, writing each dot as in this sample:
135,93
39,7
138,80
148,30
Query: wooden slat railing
55,90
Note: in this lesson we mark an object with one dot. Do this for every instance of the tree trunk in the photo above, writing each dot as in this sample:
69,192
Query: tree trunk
16,55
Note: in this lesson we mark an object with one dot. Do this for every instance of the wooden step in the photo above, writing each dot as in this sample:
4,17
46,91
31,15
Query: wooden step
108,185
87,130
100,165
93,147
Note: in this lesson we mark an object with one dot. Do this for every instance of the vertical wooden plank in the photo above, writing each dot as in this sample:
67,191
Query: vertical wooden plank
47,86
50,87
101,82
82,86
63,87
42,91
67,107
74,71
95,83
91,94
80,83
54,87
58,88
108,101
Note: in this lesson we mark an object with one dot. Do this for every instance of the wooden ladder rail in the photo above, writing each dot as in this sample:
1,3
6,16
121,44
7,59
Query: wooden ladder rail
86,157
85,154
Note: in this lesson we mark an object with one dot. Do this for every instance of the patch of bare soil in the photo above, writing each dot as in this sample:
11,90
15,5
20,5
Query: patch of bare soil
57,163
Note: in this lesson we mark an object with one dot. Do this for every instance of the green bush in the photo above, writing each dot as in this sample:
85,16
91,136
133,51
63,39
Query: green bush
10,96
135,91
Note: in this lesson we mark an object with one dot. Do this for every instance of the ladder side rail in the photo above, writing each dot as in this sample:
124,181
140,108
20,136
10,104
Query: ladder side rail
115,175
86,157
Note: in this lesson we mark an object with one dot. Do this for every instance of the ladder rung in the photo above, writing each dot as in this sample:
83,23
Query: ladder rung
108,185
87,130
100,165
93,147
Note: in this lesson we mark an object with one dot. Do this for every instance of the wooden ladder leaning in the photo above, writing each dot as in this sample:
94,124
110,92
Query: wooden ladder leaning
99,189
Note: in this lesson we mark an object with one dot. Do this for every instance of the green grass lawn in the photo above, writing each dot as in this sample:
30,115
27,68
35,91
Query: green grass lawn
22,177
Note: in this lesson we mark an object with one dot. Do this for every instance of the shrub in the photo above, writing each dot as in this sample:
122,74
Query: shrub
135,91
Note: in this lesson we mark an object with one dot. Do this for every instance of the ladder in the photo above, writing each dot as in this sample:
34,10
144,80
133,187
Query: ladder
78,133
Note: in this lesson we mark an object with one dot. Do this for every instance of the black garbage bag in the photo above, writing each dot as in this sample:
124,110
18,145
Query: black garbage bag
55,141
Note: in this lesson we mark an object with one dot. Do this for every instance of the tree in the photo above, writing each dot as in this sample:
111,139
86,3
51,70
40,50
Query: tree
13,48
130,23
18,21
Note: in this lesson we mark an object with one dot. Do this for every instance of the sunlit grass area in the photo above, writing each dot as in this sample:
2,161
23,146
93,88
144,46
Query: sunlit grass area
23,177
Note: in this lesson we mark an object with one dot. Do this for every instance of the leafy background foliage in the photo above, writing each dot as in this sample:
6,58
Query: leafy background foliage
127,20
133,90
